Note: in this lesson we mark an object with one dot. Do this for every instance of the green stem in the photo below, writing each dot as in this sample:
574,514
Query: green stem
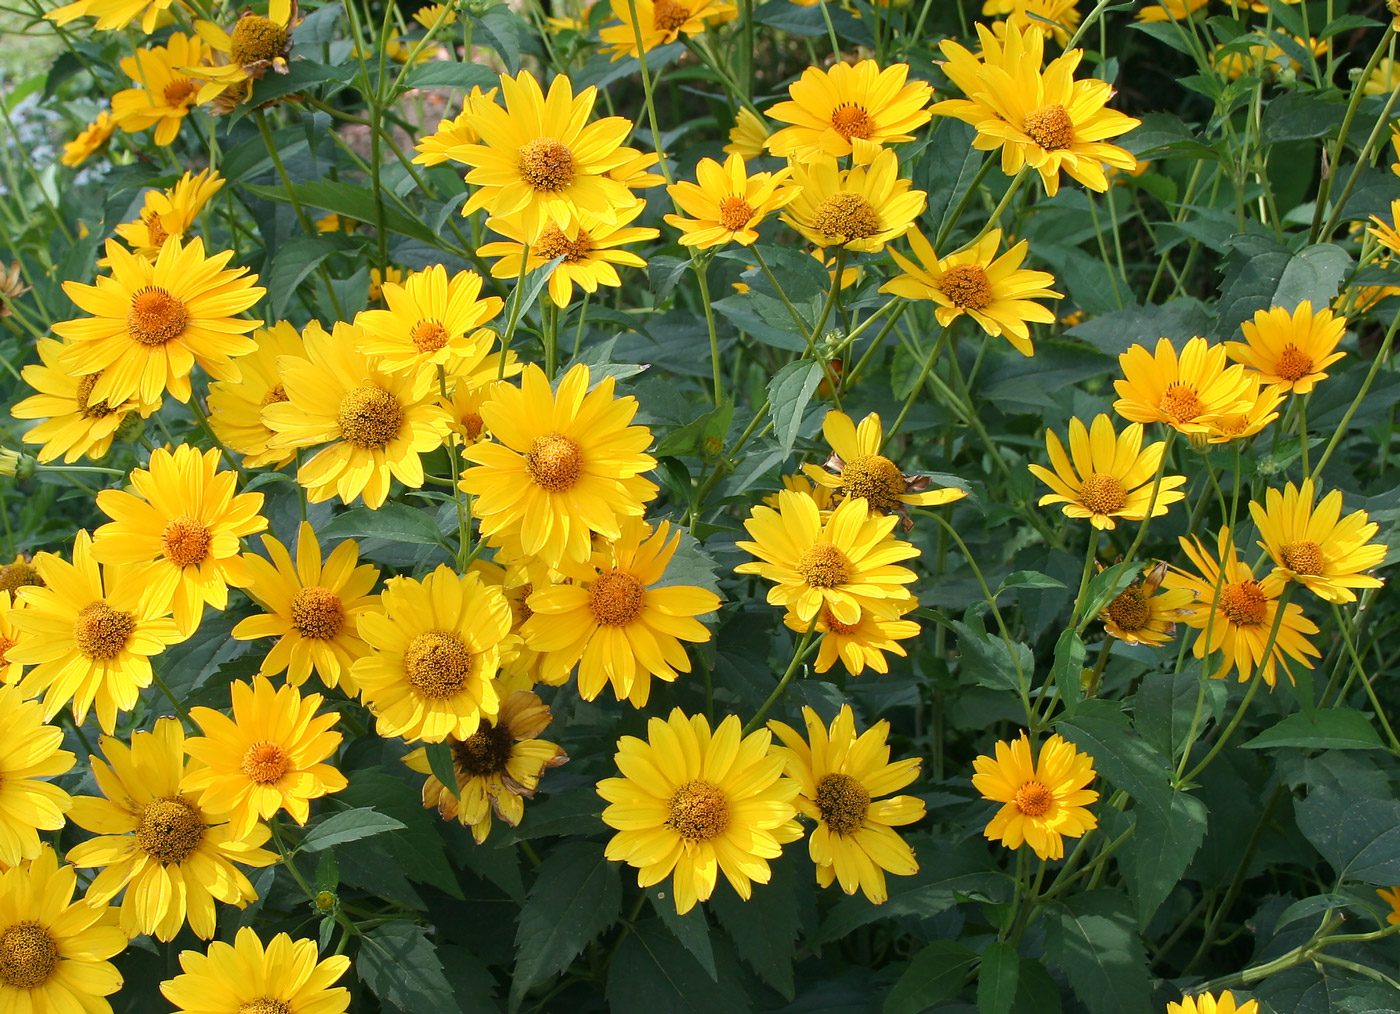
798,654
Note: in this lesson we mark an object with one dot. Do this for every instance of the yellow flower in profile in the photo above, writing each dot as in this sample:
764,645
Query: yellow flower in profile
235,408
614,624
748,138
431,321
726,203
498,767
435,148
1042,17
54,950
113,15
152,322
1290,349
378,423
568,465
840,775
89,140
89,635
169,213
862,643
246,977
1139,615
1208,1003
661,22
1265,60
312,608
164,88
1263,409
1043,800
173,858
1388,233
1315,545
849,110
1392,898
32,754
1188,393
247,51
1170,10
435,648
1111,475
465,403
435,16
695,803
180,528
377,279
847,564
994,291
73,424
1238,613
822,496
269,756
19,573
860,208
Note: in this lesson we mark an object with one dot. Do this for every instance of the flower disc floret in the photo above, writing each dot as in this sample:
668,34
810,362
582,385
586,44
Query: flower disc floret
101,632
317,613
697,811
170,829
255,38
28,956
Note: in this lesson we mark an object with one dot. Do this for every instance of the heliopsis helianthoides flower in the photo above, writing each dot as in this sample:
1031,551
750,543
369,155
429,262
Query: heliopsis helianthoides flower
1140,615
1290,349
12,286
73,424
1046,17
378,278
1238,613
1388,233
112,15
633,174
841,774
464,405
1264,409
435,646
1207,1003
173,858
848,564
1107,475
89,635
861,208
849,110
312,608
696,803
235,408
10,671
1043,800
994,291
498,767
245,52
862,643
1170,10
726,204
435,16
568,465
168,214
89,140
748,138
823,496
589,245
1315,545
431,321
153,321
269,756
541,158
30,754
54,950
246,978
1187,393
164,88
433,148
379,422
614,625
1392,898
661,22
18,574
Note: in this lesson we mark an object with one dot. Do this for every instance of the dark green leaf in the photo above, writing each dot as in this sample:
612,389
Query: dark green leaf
296,259
935,974
451,74
1069,666
1294,117
652,974
1092,937
1160,850
691,929
397,962
1036,990
1324,729
347,826
1262,273
997,978
395,522
440,762
418,849
988,661
1028,579
764,928
350,201
1359,837
571,813
788,395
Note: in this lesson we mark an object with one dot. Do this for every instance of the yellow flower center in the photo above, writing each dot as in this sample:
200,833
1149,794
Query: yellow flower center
699,811
1293,363
18,575
1102,493
265,762
485,752
96,410
669,16
155,229
186,540
265,1005
1304,558
553,243
850,120
967,285
275,396
156,317
875,478
847,216
554,462
317,613
546,164
616,598
181,91
1034,799
428,336
102,632
1050,127
255,39
1180,402
473,424
170,830
28,956
1130,610
822,565
842,802
835,626
437,664
1230,425
1244,603
369,417
734,213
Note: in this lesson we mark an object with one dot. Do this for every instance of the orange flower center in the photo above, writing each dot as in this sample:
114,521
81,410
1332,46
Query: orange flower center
265,1005
1230,425
256,39
850,120
485,752
669,16
265,763
843,803
473,424
1050,127
734,213
155,229
1102,493
554,462
18,575
967,285
28,956
553,243
275,396
156,317
1244,603
546,164
101,632
835,626
97,410
846,216
1293,363
1130,610
369,417
822,565
699,811
1180,402
1034,799
874,478
6,643
428,336
170,829
616,598
181,91
317,613
1304,558
186,540
437,664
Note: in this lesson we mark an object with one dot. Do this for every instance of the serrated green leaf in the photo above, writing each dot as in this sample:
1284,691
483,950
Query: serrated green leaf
440,763
935,974
788,396
347,826
394,522
652,973
1360,838
691,929
1068,667
350,201
988,661
1324,729
1093,938
764,928
997,978
294,260
399,965
451,74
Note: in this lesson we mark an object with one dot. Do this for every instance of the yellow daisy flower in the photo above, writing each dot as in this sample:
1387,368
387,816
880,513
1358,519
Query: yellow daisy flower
164,88
1392,898
1388,234
435,15
498,767
1170,10
172,857
694,803
823,496
31,755
235,408
1267,60
726,204
10,670
12,286
1042,17
661,21
1187,393
268,757
748,138
377,280
1264,403
431,321
994,291
1207,1003
113,15
465,403
860,208
19,574
1139,615
283,977
1290,349
435,647
152,322
862,643
168,214
633,173
1111,476
1043,800
849,110
1315,545
435,148
248,50
90,139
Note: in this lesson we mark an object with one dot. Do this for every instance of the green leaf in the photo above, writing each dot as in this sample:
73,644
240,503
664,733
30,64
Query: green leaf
418,849
347,826
1104,587
399,965
764,928
988,661
788,395
1092,937
451,74
997,978
1294,117
350,201
1324,729
1164,705
935,974
1069,666
1036,990
946,175
570,813
652,974
1113,333
1360,838
696,436
1262,273
394,522
294,260
1027,579
691,929
1160,850
440,763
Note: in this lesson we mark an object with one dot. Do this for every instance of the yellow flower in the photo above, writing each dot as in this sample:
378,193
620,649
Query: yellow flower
1207,1003
20,573
1290,349
1267,60
245,977
436,148
1392,898
435,16
152,322
994,291
113,15
466,400
235,408
860,208
168,214
1187,393
1138,615
726,203
1263,409
435,647
431,321
1388,234
89,635
822,496
614,625
498,767
1043,17
32,754
695,803
567,465
1235,614
1111,476
267,757
90,139
165,89
379,423
1044,800
1170,10
859,644
748,138
172,857
10,671
1315,545
849,110
661,21
377,280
